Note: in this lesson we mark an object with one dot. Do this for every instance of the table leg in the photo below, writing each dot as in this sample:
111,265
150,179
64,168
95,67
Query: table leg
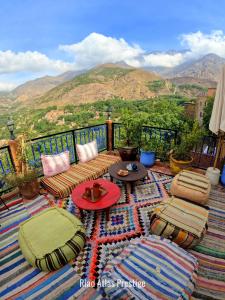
81,213
132,187
107,214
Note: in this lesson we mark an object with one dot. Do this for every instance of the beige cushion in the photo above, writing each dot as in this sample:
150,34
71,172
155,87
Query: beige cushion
191,186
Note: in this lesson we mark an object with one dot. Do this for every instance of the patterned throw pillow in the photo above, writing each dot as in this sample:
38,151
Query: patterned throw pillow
55,164
87,151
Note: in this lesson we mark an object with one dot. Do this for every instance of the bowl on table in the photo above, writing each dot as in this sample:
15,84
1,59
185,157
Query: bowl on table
122,172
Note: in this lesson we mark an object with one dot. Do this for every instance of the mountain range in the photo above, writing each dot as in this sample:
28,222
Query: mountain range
114,80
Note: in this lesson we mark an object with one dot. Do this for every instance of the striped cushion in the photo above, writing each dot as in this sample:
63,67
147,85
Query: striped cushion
183,222
87,152
51,239
150,268
62,184
55,164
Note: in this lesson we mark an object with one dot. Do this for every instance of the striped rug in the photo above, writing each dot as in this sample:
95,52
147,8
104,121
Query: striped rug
211,251
18,279
128,220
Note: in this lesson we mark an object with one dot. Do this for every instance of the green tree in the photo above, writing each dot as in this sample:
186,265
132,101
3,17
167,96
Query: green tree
207,112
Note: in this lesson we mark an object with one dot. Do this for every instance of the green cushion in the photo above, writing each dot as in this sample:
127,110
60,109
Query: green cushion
51,239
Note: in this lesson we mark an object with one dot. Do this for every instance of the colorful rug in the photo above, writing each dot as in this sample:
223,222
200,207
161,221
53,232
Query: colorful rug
18,279
128,220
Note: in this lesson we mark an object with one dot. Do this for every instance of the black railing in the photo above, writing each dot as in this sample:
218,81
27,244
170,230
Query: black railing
164,138
6,166
203,154
58,142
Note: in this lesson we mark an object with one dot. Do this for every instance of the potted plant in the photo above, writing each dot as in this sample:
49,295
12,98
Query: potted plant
26,177
180,156
130,135
149,149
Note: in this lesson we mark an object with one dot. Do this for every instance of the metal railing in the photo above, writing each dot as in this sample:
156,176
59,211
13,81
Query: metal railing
58,142
164,137
6,166
203,154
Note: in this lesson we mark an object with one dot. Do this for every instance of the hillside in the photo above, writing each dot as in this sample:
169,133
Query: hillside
191,80
208,67
38,87
103,82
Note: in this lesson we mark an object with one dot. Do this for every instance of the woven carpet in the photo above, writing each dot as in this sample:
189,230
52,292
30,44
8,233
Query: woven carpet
128,220
18,280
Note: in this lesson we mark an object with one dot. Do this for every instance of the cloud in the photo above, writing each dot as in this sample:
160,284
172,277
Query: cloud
163,60
7,86
200,44
98,49
12,62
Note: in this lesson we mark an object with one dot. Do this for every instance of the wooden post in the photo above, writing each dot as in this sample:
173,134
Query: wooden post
109,135
13,150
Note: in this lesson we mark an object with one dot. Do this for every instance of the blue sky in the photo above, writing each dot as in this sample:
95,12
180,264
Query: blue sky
53,36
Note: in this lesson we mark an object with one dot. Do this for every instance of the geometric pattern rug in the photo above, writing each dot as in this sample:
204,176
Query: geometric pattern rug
128,220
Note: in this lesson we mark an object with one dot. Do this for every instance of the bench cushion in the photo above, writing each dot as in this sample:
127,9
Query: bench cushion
51,239
62,184
191,186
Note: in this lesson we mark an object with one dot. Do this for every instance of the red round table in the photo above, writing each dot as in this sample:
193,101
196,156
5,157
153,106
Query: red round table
112,196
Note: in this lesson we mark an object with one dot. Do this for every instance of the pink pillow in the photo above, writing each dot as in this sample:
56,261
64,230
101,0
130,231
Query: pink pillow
87,151
55,164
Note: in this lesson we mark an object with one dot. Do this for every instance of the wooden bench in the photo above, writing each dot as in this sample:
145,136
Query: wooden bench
61,185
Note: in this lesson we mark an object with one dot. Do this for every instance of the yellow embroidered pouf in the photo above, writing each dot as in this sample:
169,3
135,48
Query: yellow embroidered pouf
51,239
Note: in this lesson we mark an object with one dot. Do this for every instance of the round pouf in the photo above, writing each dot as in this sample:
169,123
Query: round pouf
51,239
150,268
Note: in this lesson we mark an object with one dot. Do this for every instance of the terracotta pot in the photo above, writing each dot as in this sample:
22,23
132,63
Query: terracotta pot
178,165
128,153
159,163
29,190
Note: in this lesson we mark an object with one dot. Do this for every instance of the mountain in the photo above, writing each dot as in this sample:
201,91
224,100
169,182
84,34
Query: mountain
207,83
208,67
100,83
36,88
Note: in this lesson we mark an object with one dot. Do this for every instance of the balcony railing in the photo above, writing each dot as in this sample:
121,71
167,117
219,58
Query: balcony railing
204,153
6,166
56,143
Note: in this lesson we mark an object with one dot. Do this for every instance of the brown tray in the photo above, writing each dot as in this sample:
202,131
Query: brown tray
92,198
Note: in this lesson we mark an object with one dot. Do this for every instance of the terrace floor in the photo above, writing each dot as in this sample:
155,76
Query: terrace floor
128,220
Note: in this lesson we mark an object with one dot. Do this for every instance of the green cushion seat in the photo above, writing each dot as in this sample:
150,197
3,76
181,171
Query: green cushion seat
51,239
